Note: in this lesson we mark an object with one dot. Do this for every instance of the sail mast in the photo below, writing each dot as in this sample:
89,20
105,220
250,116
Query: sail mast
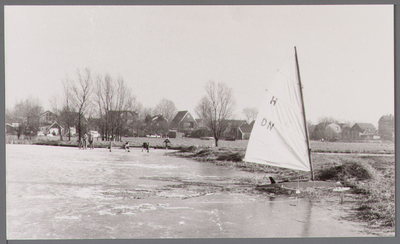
304,115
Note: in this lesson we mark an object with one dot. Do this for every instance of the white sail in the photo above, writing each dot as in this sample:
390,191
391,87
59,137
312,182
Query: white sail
279,137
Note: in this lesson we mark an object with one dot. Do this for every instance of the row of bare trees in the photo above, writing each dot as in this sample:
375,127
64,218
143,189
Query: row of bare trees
89,96
106,98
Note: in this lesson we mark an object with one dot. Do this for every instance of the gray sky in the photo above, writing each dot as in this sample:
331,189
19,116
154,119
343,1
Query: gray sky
346,53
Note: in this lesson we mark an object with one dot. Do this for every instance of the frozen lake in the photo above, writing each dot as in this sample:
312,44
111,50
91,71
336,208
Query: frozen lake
66,193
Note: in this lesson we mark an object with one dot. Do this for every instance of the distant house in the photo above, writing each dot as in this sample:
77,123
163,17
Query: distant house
47,118
125,115
201,132
184,122
70,120
124,120
175,134
11,128
156,124
346,131
386,127
363,131
244,131
319,131
231,132
53,129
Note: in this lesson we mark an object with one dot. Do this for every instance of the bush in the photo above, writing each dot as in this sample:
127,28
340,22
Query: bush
230,156
189,149
346,171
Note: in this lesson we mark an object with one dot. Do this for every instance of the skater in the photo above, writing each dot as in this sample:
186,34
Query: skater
146,146
167,143
127,146
91,141
80,143
110,142
85,141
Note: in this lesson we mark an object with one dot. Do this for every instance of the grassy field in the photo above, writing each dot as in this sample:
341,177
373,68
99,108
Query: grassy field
238,145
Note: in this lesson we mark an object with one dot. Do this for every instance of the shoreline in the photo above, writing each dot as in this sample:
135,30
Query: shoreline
358,200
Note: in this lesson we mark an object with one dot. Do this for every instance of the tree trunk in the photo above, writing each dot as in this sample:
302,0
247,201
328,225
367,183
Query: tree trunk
216,141
59,131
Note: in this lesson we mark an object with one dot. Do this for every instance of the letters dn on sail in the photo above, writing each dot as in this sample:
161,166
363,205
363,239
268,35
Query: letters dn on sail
269,124
264,121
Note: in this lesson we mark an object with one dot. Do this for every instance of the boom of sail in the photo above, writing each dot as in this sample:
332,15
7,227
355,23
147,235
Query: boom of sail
279,136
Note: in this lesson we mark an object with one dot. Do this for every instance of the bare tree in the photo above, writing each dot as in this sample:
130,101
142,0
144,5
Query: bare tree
66,117
124,102
216,107
139,124
114,100
251,114
27,112
166,108
81,93
105,96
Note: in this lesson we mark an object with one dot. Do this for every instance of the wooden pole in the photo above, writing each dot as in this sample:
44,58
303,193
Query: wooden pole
304,114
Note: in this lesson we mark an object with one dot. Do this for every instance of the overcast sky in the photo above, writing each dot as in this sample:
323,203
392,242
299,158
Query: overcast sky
346,53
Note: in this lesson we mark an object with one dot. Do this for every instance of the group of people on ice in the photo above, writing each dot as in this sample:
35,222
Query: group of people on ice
146,145
85,141
88,140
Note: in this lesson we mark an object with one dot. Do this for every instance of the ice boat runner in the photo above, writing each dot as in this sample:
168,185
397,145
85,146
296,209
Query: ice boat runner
279,136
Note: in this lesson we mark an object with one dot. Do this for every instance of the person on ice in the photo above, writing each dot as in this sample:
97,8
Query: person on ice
145,146
127,146
91,141
85,141
80,143
167,143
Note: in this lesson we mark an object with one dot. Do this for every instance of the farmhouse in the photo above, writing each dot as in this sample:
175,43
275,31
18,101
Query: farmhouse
328,131
53,129
47,118
386,127
346,131
124,115
184,122
319,131
70,120
156,124
244,131
11,128
231,132
175,134
363,131
124,120
201,132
